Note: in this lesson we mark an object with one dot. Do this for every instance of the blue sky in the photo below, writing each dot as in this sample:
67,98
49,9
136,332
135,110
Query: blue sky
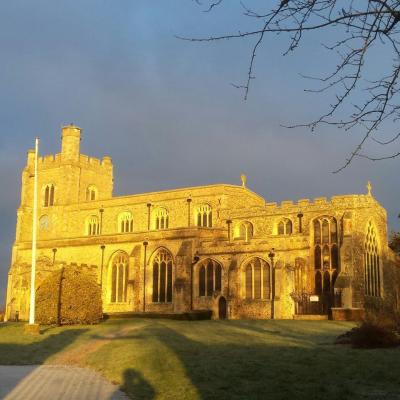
164,109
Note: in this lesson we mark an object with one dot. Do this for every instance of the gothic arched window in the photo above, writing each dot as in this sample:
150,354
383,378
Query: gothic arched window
119,278
326,254
372,272
125,222
49,195
257,279
91,193
203,215
160,218
92,225
162,277
285,227
243,231
210,277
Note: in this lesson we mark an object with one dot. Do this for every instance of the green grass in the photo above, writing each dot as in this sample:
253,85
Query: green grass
166,359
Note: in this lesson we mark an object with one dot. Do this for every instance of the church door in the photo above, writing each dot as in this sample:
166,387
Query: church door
222,308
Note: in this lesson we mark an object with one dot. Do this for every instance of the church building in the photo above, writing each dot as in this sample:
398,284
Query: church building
219,247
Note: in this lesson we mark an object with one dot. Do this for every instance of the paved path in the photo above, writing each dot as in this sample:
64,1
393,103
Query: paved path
53,382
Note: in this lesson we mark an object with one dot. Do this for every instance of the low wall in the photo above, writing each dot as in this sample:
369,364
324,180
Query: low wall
348,314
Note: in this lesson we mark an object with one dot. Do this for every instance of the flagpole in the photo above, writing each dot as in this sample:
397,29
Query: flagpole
34,234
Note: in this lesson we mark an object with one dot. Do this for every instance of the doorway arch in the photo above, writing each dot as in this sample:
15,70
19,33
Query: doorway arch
222,308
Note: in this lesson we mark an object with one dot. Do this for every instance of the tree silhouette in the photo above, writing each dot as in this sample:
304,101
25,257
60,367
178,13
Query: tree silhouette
359,28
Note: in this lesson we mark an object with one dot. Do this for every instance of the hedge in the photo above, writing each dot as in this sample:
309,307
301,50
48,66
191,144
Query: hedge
68,297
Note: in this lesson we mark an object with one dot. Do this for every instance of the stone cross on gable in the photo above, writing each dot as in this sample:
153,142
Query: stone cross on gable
243,178
369,188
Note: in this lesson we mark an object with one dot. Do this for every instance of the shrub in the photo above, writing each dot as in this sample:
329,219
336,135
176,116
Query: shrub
372,335
68,297
377,330
394,242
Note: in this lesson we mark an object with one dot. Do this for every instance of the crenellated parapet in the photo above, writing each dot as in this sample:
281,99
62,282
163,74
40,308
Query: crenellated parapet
351,201
50,161
67,177
295,217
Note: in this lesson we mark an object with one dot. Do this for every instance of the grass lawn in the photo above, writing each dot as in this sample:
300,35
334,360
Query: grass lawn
166,359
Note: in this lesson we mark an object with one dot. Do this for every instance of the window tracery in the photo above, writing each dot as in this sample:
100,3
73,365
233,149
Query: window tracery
210,277
162,277
92,225
125,222
244,231
203,215
44,223
326,254
372,274
119,278
160,218
257,276
285,227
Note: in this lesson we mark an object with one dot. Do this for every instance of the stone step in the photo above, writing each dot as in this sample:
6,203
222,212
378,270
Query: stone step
310,317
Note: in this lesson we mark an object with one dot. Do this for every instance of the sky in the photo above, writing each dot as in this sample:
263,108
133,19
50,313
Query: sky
165,109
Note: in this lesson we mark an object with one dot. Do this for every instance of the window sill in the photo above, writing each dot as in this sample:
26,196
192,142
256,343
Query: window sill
371,296
258,300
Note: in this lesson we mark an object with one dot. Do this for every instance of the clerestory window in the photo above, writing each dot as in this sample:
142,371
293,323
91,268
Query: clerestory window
160,218
285,227
203,215
125,222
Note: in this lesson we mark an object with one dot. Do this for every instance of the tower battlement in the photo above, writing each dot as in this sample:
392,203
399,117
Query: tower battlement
70,153
56,160
68,174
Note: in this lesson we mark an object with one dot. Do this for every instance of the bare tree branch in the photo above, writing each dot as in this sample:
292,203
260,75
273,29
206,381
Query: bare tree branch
359,26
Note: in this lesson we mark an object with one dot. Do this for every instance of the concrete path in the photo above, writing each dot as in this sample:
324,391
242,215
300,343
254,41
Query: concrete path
54,382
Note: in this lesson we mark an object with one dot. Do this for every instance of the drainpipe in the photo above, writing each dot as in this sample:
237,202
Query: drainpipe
300,217
195,261
54,255
229,222
189,200
101,220
148,216
102,247
271,256
144,274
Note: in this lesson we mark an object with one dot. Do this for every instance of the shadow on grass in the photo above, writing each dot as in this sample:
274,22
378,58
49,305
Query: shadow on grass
36,350
136,386
253,369
28,350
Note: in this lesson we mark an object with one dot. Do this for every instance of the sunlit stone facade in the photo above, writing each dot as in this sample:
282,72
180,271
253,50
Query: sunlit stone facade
218,247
